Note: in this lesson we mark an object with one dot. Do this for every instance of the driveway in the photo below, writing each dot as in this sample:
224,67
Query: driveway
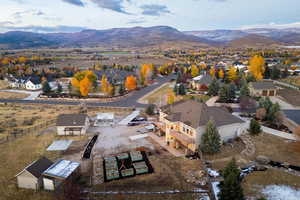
33,94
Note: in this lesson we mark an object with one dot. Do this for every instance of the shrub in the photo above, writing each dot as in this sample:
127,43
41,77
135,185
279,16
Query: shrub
150,109
255,127
261,113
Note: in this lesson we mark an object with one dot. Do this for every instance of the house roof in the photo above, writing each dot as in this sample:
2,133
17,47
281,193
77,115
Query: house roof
196,114
264,85
38,167
71,120
203,79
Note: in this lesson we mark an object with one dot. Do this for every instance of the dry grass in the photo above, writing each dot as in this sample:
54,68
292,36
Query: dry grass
291,96
295,80
13,95
16,155
256,181
3,84
159,95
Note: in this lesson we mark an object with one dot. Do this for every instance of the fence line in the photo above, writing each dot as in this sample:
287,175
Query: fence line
16,133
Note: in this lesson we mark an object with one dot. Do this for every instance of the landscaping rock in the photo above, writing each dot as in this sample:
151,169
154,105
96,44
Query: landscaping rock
263,160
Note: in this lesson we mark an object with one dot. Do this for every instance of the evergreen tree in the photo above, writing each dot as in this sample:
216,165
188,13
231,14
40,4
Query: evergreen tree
46,87
59,88
150,109
230,187
254,128
121,89
232,89
181,90
271,114
267,73
176,89
275,74
210,140
244,91
179,77
224,94
285,73
213,88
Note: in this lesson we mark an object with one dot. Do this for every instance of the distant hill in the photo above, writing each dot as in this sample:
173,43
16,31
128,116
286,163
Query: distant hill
253,40
117,37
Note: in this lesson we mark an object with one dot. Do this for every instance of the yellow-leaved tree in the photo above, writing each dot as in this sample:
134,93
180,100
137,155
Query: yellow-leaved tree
212,72
130,83
257,67
194,71
146,71
84,81
232,73
104,84
221,74
170,98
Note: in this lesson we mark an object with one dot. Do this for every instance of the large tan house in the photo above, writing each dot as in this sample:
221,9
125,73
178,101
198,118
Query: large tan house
183,123
263,88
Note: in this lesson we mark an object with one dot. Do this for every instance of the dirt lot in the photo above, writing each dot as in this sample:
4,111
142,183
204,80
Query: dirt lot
13,95
291,96
3,84
169,174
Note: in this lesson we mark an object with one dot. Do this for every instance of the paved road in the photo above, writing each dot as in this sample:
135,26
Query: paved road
130,101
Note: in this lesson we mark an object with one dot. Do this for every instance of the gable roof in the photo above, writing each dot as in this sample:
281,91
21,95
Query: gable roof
203,79
38,167
196,114
71,120
264,85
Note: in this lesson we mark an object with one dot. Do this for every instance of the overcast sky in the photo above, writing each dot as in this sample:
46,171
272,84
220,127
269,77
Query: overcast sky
75,15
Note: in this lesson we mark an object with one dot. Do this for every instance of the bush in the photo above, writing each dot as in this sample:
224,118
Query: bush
150,110
255,127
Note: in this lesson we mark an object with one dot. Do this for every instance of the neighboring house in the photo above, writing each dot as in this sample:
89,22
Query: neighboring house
31,176
263,88
184,122
201,82
59,172
72,124
33,83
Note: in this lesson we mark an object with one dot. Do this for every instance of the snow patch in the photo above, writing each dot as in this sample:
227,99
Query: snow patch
281,192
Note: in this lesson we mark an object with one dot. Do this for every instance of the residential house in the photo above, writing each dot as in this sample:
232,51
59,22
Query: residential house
184,122
201,82
31,176
263,88
59,172
25,82
33,83
72,124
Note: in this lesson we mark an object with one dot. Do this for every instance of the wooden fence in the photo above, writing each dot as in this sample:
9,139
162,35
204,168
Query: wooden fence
11,135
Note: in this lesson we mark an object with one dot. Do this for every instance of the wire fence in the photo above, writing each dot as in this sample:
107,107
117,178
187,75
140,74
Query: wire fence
15,133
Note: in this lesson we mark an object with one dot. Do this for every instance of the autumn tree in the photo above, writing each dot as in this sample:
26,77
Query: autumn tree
104,84
171,98
212,72
130,83
84,86
145,73
221,74
22,59
257,67
84,81
194,71
232,74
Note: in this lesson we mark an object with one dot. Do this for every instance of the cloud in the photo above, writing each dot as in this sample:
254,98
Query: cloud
137,21
5,26
114,5
74,2
154,9
272,25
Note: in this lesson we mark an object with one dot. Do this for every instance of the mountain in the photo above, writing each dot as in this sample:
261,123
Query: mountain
288,36
117,37
252,40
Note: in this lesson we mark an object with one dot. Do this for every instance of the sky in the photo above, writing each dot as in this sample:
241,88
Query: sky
185,15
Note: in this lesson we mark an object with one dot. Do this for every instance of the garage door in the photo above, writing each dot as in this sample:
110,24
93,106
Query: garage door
271,93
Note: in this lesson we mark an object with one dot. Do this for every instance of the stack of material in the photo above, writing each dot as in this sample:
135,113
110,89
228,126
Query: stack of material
123,156
98,176
111,166
127,172
136,156
140,167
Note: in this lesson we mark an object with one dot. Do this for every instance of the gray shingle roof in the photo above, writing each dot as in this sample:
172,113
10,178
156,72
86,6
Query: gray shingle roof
196,114
71,120
205,79
39,166
264,85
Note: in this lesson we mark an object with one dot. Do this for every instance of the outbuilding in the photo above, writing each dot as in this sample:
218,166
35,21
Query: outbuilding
59,172
72,124
31,176
263,88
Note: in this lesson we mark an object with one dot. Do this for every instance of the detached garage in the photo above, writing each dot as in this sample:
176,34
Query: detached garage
31,176
72,124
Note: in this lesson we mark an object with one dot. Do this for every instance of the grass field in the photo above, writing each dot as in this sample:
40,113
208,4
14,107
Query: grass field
13,95
3,84
295,80
159,95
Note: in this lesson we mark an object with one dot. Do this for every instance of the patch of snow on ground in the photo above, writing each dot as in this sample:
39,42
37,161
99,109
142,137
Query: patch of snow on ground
281,192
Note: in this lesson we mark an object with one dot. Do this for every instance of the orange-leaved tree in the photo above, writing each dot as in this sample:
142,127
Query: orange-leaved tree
130,83
146,72
257,67
84,81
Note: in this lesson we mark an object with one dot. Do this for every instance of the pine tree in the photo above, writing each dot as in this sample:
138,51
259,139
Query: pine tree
275,74
46,87
230,187
121,89
181,90
224,94
213,88
267,73
210,140
254,128
244,91
59,88
232,89
176,89
150,109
